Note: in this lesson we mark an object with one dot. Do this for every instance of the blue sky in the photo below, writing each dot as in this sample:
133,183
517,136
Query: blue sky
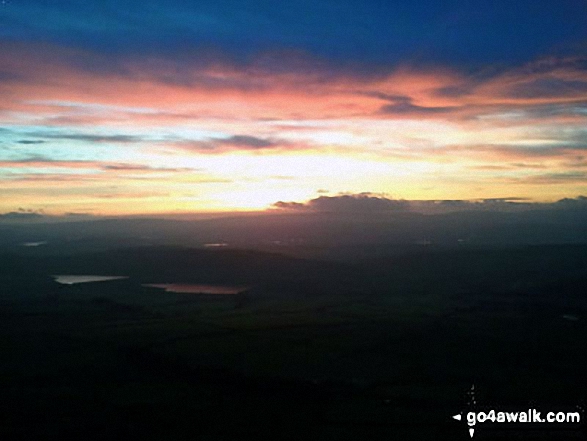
469,33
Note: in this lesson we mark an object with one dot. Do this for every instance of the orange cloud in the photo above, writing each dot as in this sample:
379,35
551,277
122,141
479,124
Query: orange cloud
393,129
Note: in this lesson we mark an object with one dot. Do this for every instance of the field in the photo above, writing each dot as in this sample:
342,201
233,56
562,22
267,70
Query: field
380,348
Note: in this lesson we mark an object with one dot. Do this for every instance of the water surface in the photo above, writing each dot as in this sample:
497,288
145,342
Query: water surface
72,280
197,289
216,245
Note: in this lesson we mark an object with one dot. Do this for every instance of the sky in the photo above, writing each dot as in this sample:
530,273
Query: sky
130,107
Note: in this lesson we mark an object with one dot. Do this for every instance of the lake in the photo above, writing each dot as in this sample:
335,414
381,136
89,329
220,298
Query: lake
197,289
72,280
216,245
34,244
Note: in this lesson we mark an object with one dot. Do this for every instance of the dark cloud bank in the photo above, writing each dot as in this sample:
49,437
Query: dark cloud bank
371,203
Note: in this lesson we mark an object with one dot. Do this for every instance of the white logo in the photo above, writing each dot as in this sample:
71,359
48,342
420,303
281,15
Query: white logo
532,416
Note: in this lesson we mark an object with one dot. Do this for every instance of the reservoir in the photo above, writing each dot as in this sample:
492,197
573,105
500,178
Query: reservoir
72,280
197,289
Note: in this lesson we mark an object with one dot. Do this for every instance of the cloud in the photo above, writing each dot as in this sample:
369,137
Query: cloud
487,204
520,153
579,177
38,161
366,203
144,168
30,141
72,214
401,105
353,203
573,202
544,80
86,137
231,143
455,90
137,195
246,142
510,166
549,88
49,178
22,215
45,162
311,89
40,216
397,127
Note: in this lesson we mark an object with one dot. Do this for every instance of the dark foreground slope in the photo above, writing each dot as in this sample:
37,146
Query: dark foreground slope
384,348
